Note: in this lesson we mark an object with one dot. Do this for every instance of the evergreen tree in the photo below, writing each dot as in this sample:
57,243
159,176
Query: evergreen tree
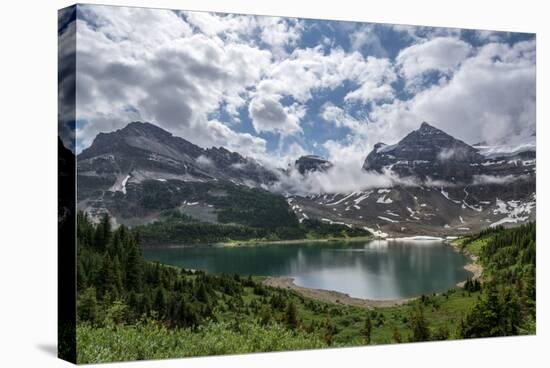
134,266
367,329
108,277
265,315
201,293
102,233
419,324
291,315
81,279
159,304
87,306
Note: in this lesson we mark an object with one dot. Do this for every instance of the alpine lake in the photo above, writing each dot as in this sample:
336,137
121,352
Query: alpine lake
373,269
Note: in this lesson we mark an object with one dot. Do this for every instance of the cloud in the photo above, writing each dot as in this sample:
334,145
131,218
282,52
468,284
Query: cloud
249,82
269,115
490,97
417,34
442,54
333,114
492,179
280,33
204,161
167,74
66,77
337,179
366,39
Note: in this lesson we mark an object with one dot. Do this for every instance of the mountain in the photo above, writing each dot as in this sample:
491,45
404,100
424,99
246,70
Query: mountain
143,151
430,153
460,189
312,163
141,172
427,152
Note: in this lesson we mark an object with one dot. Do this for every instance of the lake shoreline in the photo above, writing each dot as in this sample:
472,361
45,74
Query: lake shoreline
253,242
332,296
260,242
472,266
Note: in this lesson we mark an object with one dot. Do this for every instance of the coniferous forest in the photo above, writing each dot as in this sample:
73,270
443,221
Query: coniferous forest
129,308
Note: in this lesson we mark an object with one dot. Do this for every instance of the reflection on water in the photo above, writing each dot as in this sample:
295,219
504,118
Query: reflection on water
377,269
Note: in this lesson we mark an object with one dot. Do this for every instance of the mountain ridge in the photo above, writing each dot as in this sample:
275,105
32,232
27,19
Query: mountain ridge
122,169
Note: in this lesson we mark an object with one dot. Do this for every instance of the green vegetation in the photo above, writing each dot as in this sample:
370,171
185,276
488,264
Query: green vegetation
132,309
152,340
474,243
251,207
235,213
180,229
507,305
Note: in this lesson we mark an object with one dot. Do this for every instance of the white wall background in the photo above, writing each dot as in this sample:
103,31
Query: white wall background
28,148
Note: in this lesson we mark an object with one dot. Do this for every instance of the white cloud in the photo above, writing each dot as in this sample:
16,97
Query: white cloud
180,70
338,179
162,73
490,96
350,152
269,115
441,54
365,38
204,161
340,118
280,33
424,33
499,180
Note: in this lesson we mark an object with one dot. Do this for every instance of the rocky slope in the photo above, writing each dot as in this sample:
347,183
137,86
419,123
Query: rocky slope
140,171
430,153
145,168
460,189
312,163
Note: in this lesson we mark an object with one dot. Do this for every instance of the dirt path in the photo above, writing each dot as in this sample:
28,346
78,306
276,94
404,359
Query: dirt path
331,296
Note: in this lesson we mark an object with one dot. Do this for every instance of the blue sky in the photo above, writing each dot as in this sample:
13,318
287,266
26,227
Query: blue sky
276,88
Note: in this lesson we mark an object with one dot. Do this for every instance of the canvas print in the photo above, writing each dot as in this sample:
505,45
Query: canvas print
246,183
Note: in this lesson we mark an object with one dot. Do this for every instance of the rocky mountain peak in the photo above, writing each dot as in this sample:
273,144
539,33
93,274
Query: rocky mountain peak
146,151
144,129
426,152
311,163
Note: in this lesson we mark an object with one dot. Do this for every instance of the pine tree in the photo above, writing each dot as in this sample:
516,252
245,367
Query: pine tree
265,315
201,293
159,303
291,315
102,233
367,329
134,271
87,306
81,279
419,324
107,277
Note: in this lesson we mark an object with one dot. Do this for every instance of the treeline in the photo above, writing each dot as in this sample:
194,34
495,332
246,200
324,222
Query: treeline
175,229
117,286
481,234
508,302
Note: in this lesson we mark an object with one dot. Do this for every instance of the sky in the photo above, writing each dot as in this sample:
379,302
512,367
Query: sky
274,89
